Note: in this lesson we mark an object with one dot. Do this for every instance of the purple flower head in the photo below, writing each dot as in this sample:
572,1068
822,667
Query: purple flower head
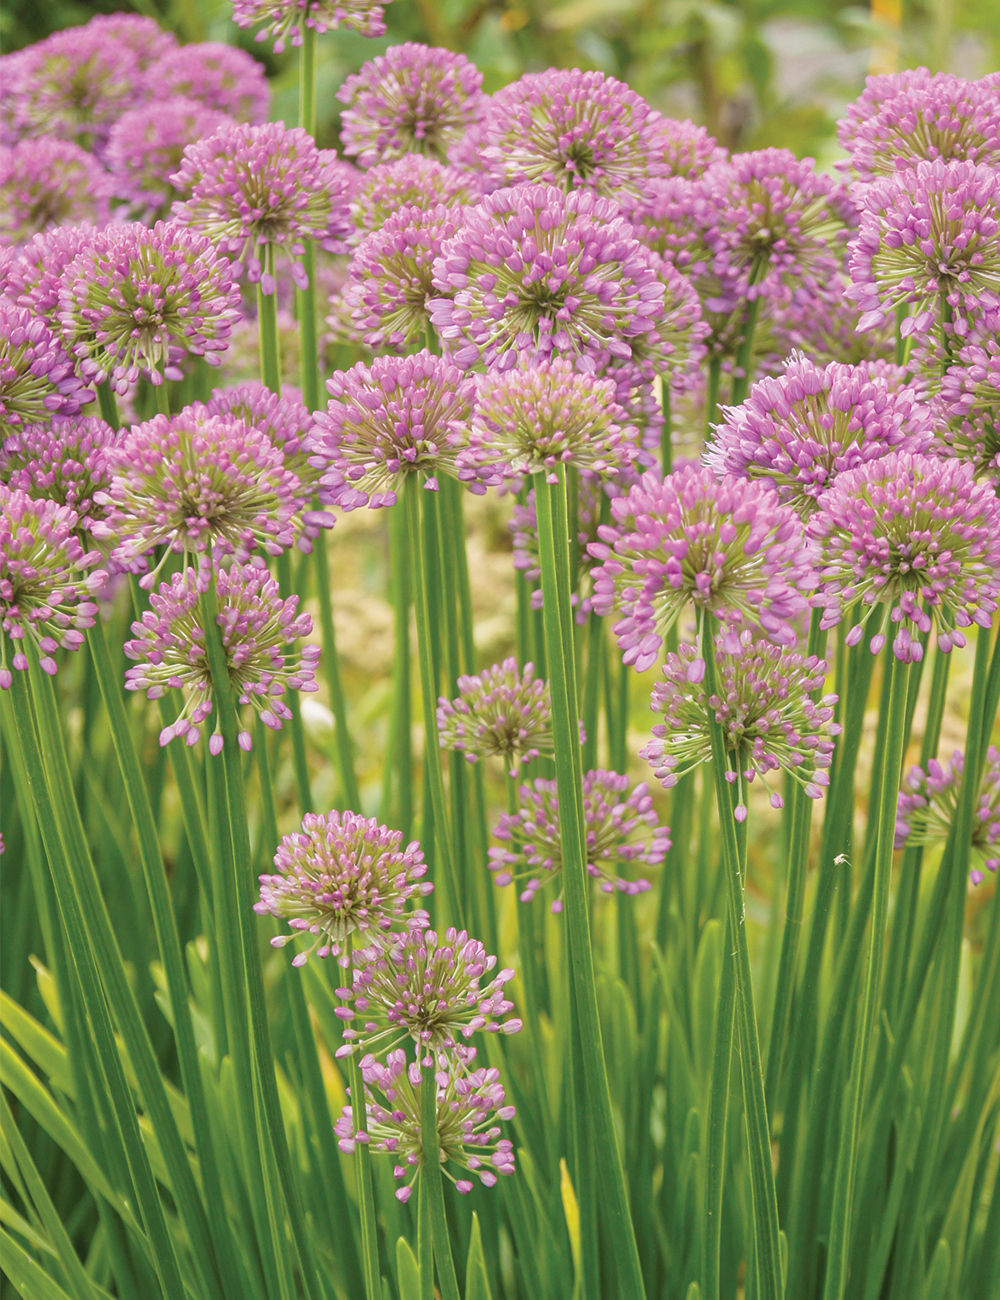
929,235
617,824
391,277
537,418
137,299
729,546
258,630
777,223
391,418
219,76
411,99
198,483
534,273
410,986
469,1103
143,36
674,347
37,378
970,402
941,117
686,149
572,129
928,804
344,874
879,89
45,595
284,19
147,144
799,431
764,707
818,321
65,461
500,711
34,276
72,86
903,531
413,181
47,183
257,186
671,215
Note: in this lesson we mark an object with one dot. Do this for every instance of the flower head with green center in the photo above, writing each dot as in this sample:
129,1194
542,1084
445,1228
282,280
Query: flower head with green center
800,430
928,803
37,378
469,1102
340,875
254,187
928,236
65,462
410,986
413,181
970,403
536,418
136,300
258,629
284,19
901,532
398,416
769,721
197,483
617,823
729,546
45,593
500,711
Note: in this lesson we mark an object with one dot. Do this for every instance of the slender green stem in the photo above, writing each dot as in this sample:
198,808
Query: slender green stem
161,397
666,433
299,761
593,1091
425,1242
344,746
765,1202
716,1122
307,79
592,687
843,1197
108,405
267,323
712,393
366,1196
446,908
399,759
430,1172
743,361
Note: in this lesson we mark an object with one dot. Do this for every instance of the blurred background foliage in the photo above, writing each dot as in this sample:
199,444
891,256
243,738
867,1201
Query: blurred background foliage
755,72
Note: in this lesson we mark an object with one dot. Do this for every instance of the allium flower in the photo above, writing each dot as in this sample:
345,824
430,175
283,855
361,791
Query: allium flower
500,711
410,987
686,149
535,419
344,874
970,400
65,461
253,186
534,273
391,276
769,721
799,431
34,275
413,98
469,1102
616,823
37,378
928,235
257,629
903,530
941,117
219,76
47,183
730,547
146,146
143,36
72,86
778,223
818,321
413,181
572,129
198,483
671,216
137,299
285,18
45,595
394,417
928,804
675,347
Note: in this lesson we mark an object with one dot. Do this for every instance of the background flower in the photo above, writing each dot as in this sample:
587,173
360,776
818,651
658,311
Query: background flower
219,76
45,183
928,803
501,711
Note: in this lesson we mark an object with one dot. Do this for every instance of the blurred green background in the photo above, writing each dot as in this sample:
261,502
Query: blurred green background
755,72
